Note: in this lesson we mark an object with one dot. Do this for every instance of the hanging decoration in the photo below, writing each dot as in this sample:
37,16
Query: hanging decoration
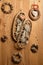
6,11
34,12
21,30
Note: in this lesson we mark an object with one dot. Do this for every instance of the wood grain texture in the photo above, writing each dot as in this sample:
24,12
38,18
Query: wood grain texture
7,49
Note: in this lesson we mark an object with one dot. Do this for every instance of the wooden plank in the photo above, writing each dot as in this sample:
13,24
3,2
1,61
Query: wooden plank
7,49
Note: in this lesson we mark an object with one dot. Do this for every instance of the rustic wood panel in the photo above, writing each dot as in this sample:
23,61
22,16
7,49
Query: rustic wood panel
8,48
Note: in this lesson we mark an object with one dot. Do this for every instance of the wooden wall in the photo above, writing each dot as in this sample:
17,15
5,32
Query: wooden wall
8,48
